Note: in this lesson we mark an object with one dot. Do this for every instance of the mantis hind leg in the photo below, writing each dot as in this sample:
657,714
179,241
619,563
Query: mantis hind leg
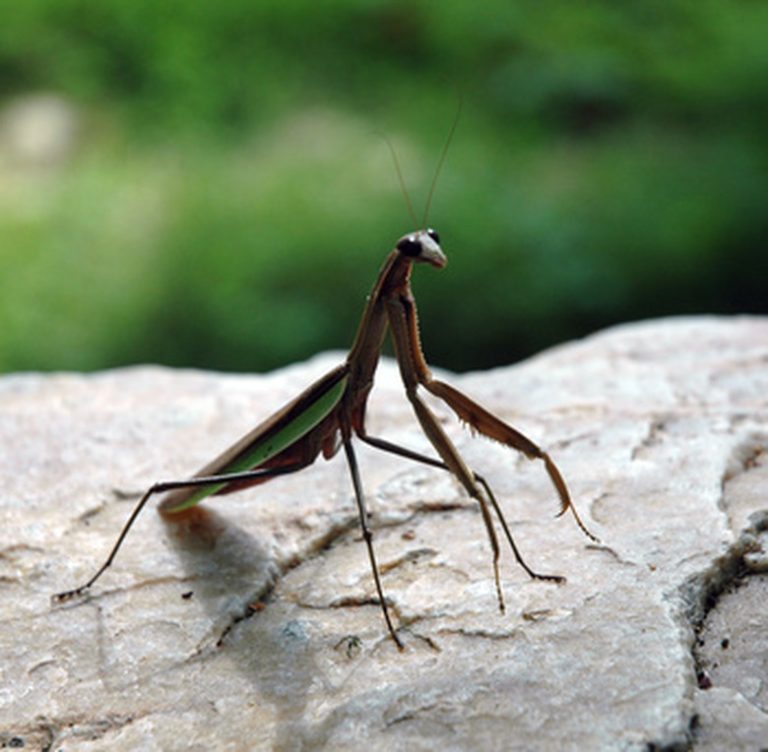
162,487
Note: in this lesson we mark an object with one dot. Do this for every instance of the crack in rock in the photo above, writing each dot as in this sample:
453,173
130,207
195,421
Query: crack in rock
726,610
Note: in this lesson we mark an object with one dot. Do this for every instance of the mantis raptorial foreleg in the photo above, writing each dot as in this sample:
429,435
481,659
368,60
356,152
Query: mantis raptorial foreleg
403,322
479,419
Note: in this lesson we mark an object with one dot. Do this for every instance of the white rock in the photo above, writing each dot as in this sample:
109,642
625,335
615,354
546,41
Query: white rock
660,429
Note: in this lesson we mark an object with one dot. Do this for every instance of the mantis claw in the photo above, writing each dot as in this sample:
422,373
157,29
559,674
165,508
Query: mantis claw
68,595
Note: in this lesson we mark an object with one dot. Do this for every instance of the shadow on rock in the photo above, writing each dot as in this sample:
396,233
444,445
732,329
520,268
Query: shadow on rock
232,572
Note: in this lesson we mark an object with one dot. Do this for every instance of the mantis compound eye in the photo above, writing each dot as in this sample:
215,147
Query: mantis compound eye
434,235
409,246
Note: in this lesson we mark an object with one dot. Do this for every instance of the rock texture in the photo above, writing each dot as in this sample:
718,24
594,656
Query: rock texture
250,623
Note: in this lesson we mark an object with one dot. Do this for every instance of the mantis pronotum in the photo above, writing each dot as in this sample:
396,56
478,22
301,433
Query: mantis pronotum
327,414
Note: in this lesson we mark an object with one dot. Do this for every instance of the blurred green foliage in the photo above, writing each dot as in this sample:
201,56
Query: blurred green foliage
227,201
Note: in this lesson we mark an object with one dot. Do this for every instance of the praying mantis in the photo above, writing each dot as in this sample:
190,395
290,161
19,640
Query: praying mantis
329,413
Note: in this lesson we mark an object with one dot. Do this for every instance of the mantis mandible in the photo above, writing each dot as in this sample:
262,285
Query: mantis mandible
328,413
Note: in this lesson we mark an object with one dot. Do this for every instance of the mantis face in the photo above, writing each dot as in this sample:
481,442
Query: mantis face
423,246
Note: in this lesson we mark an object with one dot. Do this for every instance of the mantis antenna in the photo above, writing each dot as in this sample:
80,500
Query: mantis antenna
440,162
401,180
438,170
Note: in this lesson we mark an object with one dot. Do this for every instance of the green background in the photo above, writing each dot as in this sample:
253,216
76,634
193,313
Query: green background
225,199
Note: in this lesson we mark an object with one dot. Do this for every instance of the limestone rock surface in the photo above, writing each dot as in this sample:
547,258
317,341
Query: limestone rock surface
251,622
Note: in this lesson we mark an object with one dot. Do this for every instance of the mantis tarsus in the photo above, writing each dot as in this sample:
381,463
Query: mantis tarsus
326,415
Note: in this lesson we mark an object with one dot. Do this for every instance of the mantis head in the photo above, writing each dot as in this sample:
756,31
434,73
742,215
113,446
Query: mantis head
422,246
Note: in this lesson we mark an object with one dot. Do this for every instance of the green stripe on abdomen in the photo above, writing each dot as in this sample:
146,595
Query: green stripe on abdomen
272,445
